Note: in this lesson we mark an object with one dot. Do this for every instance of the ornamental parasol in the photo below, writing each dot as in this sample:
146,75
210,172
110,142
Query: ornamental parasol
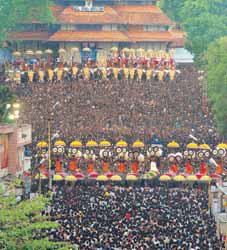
79,176
48,51
109,175
17,54
75,144
29,52
121,144
91,144
192,146
138,144
74,50
86,49
59,143
104,144
93,175
38,52
173,144
102,178
222,145
61,51
42,177
192,178
165,178
131,177
42,144
70,178
114,49
58,177
179,178
116,178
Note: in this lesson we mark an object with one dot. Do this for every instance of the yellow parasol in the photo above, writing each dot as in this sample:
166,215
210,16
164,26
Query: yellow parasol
192,178
102,178
179,178
91,144
48,51
75,144
131,177
121,144
29,52
57,177
173,144
138,144
165,178
86,49
59,143
42,144
42,177
116,178
222,145
204,146
104,144
70,178
192,145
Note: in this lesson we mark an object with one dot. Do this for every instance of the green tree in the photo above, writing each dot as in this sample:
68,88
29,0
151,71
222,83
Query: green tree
216,57
172,8
20,223
15,11
6,97
204,21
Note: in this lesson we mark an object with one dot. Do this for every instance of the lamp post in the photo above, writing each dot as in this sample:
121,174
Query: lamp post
49,143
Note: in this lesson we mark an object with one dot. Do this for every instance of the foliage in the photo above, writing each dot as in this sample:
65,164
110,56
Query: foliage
6,96
217,81
15,11
172,8
21,223
203,20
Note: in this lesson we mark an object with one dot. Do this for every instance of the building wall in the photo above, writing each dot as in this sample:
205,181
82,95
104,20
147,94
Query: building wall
17,138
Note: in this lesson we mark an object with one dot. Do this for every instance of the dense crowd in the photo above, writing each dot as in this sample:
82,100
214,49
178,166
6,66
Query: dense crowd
120,217
114,109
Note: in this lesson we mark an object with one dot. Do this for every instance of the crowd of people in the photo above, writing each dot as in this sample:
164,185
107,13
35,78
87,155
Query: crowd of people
113,109
137,218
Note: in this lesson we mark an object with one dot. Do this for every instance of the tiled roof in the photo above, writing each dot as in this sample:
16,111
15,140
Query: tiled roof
109,15
93,36
143,15
179,38
145,36
29,36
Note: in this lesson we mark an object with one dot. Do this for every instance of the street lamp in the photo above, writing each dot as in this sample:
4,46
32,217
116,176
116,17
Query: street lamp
50,119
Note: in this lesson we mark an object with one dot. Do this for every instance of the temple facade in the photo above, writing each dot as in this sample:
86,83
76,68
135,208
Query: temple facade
99,26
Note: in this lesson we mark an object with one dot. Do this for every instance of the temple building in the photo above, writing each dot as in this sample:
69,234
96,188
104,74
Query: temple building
98,25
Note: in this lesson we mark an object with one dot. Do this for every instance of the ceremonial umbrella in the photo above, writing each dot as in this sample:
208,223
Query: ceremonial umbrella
57,177
70,178
131,177
48,51
42,144
116,178
102,178
165,178
192,178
